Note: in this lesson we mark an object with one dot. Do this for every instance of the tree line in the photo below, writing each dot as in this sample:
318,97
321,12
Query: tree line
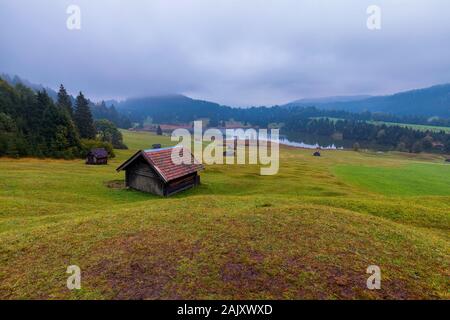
102,111
346,125
32,124
393,137
349,126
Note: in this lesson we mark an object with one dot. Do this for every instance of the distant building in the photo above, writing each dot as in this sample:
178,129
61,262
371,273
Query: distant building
230,144
154,172
228,153
97,156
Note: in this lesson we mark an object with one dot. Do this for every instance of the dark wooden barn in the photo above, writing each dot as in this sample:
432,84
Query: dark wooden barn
97,156
153,171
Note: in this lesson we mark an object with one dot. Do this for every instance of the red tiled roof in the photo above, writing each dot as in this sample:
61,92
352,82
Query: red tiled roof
161,159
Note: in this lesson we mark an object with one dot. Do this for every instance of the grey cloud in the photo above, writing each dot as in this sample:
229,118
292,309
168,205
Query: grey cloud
251,52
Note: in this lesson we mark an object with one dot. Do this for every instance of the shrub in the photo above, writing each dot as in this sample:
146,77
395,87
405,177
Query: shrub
88,144
107,131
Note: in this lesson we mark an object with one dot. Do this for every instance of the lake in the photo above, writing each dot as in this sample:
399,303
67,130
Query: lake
311,141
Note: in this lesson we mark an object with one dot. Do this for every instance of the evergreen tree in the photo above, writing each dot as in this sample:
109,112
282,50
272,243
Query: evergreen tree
34,123
447,146
159,131
60,138
213,123
64,101
102,111
417,147
83,118
9,137
8,99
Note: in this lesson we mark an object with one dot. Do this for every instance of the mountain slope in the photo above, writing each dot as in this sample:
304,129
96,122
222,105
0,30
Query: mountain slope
15,79
432,101
169,108
331,99
428,102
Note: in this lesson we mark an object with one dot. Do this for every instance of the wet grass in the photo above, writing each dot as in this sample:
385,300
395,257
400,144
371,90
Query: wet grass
408,180
308,232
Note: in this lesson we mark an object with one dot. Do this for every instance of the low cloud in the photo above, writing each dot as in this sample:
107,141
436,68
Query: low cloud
251,52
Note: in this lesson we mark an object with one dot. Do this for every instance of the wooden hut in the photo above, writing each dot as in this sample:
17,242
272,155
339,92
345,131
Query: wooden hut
153,171
97,156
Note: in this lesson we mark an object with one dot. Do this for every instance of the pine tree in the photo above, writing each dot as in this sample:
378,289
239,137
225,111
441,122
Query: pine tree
83,118
34,119
8,134
159,131
60,138
64,101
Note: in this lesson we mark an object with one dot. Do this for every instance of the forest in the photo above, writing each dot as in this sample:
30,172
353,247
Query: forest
346,125
393,137
32,124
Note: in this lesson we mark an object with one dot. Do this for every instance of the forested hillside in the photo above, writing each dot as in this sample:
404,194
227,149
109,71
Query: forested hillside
358,127
100,110
172,109
32,124
429,102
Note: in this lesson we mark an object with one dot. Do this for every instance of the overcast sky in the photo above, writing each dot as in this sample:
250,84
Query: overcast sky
235,52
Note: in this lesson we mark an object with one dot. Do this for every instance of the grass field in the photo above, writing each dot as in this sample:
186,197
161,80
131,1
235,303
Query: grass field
309,232
416,179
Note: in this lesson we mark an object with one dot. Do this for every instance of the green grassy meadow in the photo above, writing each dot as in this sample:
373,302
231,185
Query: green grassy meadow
308,232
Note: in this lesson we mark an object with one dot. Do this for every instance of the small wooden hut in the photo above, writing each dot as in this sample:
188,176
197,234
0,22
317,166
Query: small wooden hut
153,171
97,156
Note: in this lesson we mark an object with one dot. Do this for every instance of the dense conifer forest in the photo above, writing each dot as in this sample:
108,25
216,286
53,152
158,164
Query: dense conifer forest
33,124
